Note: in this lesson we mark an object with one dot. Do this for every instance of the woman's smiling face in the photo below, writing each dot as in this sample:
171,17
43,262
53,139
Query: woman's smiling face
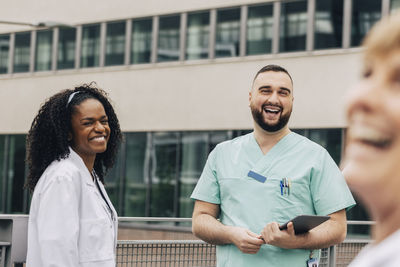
90,130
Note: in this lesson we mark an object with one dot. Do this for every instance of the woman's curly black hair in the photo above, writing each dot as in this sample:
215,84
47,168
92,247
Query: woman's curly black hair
47,139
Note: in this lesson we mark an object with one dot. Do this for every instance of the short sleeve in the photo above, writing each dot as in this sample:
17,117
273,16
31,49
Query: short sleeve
328,187
207,188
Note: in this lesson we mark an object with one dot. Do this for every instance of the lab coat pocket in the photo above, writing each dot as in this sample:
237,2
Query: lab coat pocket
95,240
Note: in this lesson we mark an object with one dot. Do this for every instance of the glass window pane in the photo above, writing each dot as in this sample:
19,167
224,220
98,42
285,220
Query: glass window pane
4,53
115,43
141,40
228,33
22,52
194,152
197,35
113,181
168,38
16,174
394,5
164,174
293,28
44,41
259,29
66,48
2,174
365,14
328,24
90,54
136,180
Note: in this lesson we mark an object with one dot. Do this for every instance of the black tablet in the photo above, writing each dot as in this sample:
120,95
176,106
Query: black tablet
304,223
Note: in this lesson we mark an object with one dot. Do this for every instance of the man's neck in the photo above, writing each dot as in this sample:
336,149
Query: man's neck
266,140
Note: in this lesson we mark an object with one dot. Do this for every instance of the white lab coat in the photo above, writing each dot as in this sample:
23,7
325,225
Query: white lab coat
69,222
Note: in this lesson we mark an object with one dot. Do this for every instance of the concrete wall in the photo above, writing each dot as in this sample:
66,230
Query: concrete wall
191,96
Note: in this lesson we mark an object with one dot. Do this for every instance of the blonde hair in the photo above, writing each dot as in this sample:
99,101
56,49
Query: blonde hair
384,37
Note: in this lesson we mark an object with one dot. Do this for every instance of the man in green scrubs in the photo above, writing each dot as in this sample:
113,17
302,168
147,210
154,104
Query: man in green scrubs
258,181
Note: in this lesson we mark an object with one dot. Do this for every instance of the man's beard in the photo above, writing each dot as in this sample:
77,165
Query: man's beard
282,122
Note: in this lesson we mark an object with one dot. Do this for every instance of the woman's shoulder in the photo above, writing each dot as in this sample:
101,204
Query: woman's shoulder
63,170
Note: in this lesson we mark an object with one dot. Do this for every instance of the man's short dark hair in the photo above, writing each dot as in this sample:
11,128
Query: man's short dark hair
275,68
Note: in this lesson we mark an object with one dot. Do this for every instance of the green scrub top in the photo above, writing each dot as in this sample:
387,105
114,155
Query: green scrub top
317,188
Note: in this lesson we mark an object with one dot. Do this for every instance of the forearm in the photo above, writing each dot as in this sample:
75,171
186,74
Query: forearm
328,234
211,230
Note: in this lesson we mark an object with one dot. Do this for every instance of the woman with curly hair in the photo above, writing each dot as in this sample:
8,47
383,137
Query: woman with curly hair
72,142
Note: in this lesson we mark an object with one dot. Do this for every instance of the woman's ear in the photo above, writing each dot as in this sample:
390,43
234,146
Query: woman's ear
69,137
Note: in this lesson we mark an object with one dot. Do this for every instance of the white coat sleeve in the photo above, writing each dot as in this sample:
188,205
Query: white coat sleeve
58,223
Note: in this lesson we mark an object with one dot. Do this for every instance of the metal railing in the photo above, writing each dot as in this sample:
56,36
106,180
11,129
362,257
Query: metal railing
180,253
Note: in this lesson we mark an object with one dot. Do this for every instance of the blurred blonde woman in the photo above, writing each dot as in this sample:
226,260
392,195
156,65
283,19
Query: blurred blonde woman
372,156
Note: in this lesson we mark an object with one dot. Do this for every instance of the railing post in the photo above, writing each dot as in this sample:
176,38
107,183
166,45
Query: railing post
332,256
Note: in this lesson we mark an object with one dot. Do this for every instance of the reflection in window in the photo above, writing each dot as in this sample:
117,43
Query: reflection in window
164,174
328,24
198,29
194,152
115,43
2,160
293,28
228,33
141,41
168,38
16,174
44,41
259,30
22,52
365,14
4,54
136,180
90,52
66,48
394,5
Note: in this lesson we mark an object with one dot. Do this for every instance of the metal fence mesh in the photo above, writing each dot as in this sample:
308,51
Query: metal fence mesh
346,252
164,254
190,253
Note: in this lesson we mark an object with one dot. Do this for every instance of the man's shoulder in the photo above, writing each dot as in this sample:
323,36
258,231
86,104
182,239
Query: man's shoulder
308,144
235,142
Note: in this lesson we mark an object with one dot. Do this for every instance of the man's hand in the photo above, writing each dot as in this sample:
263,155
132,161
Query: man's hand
329,233
272,235
245,240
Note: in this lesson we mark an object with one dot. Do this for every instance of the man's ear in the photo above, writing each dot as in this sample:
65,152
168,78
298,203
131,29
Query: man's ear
249,97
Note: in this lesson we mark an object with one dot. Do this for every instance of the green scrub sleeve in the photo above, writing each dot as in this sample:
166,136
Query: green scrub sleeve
329,190
207,188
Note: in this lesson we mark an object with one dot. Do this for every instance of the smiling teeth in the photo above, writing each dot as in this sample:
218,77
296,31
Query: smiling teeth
369,135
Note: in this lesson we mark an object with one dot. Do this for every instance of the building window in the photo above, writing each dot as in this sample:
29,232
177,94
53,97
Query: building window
141,40
228,33
22,52
44,41
328,24
197,35
137,179
115,43
194,153
90,52
165,157
4,53
293,26
259,29
394,5
66,48
365,14
168,38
